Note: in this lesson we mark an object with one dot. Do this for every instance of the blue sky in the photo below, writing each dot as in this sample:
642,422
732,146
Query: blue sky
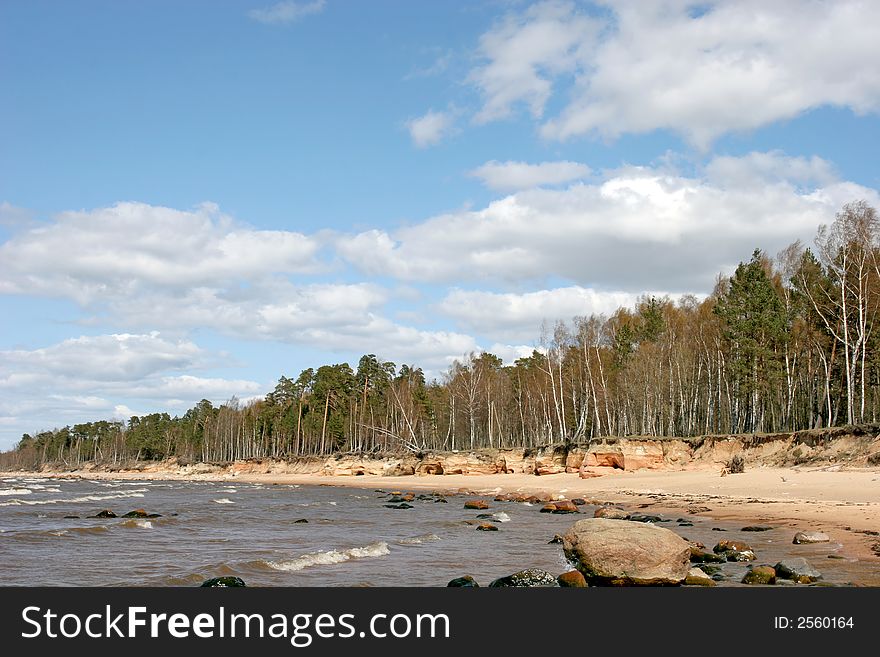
198,197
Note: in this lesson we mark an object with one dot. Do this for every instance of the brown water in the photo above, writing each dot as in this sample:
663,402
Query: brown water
208,529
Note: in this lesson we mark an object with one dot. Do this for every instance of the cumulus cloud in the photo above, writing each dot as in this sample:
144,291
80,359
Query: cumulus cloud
104,376
639,228
699,69
511,176
430,128
518,316
119,249
287,11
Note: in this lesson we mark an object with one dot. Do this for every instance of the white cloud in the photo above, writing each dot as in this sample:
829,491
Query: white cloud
699,69
104,376
287,11
524,52
512,176
430,128
639,228
519,316
92,256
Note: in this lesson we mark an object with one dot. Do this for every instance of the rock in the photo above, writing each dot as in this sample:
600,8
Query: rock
562,506
718,529
529,578
464,582
485,516
223,582
556,540
578,501
641,517
711,569
154,515
685,524
486,527
611,513
623,553
402,505
760,575
745,555
106,513
697,577
71,517
572,579
798,570
699,556
835,556
137,513
756,528
810,537
731,546
476,504
505,497
441,500
301,521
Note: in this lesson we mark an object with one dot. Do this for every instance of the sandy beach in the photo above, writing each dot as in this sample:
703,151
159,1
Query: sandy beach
843,503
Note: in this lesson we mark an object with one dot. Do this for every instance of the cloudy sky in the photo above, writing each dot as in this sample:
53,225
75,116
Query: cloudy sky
198,197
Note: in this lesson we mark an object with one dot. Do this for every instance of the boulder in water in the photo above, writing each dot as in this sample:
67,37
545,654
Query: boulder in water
622,553
301,521
760,575
106,513
698,577
611,513
735,550
486,527
810,537
529,578
756,528
476,504
402,505
699,556
223,582
797,569
464,582
572,579
137,513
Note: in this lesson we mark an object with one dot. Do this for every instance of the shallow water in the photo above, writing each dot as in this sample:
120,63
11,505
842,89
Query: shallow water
209,529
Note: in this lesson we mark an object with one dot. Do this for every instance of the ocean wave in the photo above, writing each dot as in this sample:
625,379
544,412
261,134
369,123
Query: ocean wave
137,522
223,500
330,557
72,500
15,491
501,516
418,540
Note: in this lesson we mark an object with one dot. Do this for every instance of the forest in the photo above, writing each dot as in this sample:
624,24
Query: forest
784,343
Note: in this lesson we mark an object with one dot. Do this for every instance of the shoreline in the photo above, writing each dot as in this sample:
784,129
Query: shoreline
843,503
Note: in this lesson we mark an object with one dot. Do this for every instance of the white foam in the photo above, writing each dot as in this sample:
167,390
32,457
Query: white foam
418,540
15,491
85,498
501,516
224,500
331,557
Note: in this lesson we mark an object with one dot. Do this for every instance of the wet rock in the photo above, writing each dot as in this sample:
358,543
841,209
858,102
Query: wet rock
402,505
223,582
611,513
810,537
698,509
641,517
137,513
441,500
572,579
556,540
685,524
579,501
735,550
711,569
464,582
835,556
622,553
760,575
699,556
71,517
798,570
106,513
505,497
718,529
301,521
698,577
476,504
561,506
756,528
154,515
529,578
486,527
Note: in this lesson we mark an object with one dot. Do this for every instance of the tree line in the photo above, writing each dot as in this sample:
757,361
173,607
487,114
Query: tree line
784,343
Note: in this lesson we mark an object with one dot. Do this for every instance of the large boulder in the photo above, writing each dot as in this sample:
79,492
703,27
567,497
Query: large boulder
611,513
810,537
529,578
797,569
622,553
